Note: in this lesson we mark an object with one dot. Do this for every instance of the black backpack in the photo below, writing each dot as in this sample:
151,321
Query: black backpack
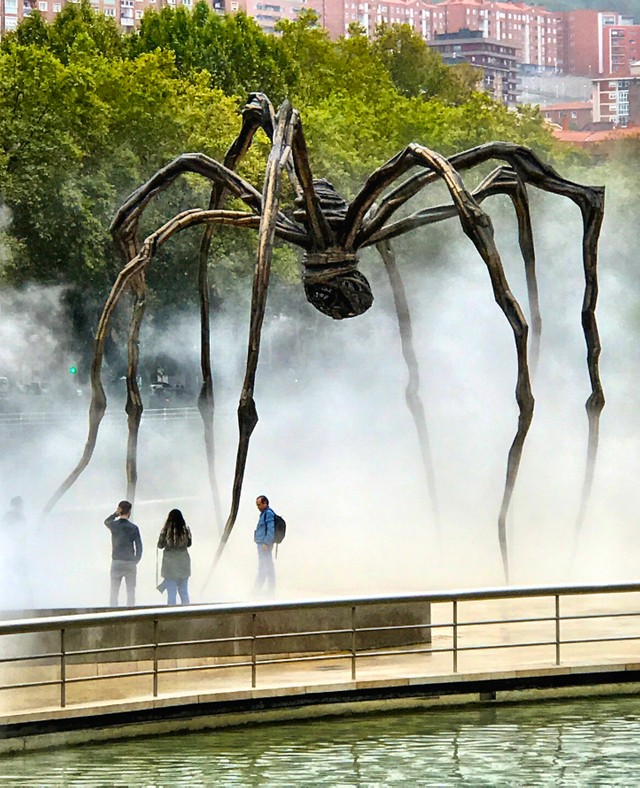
279,528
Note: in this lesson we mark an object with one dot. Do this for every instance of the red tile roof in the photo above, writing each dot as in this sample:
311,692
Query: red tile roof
593,137
568,105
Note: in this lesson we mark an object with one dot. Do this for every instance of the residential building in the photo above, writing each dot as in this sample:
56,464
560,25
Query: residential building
570,115
531,29
620,48
588,46
268,12
616,101
496,59
126,12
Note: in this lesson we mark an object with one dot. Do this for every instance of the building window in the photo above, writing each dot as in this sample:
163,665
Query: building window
42,6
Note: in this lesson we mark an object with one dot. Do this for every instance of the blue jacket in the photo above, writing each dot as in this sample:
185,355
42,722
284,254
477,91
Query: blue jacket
264,533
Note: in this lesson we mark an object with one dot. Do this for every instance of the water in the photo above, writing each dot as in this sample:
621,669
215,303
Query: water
579,743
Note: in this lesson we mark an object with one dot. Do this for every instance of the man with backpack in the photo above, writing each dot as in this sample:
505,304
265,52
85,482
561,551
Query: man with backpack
264,537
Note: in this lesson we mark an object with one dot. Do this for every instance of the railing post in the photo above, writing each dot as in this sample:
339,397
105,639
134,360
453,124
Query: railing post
353,643
155,657
253,651
455,635
63,670
557,606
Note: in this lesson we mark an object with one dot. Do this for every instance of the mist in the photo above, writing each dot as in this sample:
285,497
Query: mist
335,449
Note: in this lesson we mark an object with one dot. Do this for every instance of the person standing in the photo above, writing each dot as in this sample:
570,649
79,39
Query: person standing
264,536
15,513
15,558
175,538
126,552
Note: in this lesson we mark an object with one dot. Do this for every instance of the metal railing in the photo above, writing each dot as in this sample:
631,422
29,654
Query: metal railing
27,418
571,616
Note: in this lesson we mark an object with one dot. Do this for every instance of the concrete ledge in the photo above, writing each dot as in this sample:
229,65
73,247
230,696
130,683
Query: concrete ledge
208,711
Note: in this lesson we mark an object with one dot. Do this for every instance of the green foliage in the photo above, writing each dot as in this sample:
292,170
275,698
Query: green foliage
417,70
76,28
233,50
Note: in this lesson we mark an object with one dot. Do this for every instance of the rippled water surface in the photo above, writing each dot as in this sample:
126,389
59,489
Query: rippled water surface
582,743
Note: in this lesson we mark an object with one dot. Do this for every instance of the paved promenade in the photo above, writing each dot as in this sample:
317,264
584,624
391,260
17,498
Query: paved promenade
495,661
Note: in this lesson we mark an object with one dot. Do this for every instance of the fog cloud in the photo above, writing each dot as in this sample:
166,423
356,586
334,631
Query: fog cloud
335,448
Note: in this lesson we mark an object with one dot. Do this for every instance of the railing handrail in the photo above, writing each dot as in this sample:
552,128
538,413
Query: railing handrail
78,620
68,414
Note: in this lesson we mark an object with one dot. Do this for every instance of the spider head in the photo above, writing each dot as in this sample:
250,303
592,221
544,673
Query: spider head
334,286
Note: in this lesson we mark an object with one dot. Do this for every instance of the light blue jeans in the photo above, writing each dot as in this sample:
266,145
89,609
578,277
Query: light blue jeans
175,587
120,569
266,569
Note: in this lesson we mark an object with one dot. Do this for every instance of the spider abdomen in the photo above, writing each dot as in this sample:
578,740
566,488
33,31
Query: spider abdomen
333,284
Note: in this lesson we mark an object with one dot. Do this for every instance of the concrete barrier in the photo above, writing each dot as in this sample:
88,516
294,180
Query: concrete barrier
323,629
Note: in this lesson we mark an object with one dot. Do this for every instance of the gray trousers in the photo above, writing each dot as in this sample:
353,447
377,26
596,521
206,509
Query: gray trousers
120,569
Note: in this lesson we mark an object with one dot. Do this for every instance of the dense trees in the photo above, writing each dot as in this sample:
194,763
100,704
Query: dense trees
86,115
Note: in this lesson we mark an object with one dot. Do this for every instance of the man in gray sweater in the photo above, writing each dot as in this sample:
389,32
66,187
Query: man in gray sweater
126,552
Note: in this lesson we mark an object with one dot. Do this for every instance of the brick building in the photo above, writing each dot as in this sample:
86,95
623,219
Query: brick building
616,101
424,18
127,13
531,29
620,48
570,115
268,12
596,42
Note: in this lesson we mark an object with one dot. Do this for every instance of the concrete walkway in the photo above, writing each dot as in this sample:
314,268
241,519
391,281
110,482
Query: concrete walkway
496,662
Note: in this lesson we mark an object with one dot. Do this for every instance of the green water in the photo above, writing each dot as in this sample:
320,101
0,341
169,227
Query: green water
582,743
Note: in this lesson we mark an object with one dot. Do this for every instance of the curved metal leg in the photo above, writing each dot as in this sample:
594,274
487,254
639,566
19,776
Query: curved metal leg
412,391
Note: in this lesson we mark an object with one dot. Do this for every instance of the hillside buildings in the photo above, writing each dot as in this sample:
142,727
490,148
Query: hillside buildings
496,59
501,39
584,42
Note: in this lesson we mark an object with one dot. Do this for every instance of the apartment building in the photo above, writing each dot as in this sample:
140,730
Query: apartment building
127,13
598,43
496,59
268,12
530,29
620,48
616,101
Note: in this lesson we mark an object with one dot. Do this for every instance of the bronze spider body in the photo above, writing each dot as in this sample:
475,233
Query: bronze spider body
330,232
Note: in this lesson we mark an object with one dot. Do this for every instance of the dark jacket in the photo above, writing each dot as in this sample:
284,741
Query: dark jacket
126,544
176,562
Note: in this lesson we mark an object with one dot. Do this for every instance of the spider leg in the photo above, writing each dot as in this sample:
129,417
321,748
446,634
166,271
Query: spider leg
132,275
529,169
247,413
412,391
322,236
590,200
477,226
503,180
257,113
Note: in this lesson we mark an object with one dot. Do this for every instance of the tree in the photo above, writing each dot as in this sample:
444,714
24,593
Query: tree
417,70
233,49
76,27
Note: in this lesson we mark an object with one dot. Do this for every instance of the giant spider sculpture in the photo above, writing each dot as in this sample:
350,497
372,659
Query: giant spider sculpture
330,232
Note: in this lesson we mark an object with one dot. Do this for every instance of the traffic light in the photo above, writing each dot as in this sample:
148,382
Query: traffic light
73,369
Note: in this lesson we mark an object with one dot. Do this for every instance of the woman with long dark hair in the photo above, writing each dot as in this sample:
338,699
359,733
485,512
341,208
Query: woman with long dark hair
174,540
